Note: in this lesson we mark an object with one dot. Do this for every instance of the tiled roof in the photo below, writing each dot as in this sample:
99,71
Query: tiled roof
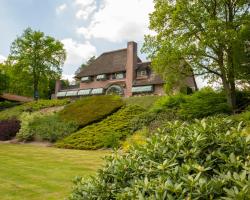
109,62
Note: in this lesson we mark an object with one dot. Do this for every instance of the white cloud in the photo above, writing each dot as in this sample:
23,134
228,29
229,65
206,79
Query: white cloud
77,53
118,20
86,8
2,58
61,8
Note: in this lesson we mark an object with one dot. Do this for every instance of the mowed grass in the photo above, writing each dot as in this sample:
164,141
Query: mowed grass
39,173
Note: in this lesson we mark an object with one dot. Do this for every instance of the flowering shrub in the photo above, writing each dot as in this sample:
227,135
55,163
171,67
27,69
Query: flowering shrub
206,159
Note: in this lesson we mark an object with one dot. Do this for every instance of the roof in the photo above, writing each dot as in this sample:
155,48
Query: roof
153,80
13,97
106,63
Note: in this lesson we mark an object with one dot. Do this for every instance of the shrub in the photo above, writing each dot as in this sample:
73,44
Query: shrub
8,129
44,127
90,109
208,159
144,101
16,111
203,103
169,102
138,138
104,134
7,104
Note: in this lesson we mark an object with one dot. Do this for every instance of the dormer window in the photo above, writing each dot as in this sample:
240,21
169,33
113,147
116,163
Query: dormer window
86,79
101,77
120,75
142,73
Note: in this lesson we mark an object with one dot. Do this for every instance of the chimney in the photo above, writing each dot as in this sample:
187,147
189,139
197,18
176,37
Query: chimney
131,67
58,86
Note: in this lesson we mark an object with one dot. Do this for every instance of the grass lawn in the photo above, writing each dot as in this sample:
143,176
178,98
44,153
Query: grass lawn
39,173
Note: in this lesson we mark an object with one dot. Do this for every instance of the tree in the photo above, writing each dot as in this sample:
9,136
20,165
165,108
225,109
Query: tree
37,57
200,34
90,60
4,79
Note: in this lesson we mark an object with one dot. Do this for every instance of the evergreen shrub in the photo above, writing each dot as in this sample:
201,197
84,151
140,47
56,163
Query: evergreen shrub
105,134
91,109
205,159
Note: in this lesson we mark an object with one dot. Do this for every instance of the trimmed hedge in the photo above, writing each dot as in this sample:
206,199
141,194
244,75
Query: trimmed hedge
16,111
104,134
8,129
207,159
91,109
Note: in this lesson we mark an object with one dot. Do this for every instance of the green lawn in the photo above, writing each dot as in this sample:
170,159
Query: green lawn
43,173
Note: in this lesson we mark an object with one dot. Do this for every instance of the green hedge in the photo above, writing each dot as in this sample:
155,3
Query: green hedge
207,159
104,134
91,109
16,111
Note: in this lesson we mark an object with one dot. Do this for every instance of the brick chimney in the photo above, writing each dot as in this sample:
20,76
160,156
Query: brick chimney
58,86
130,67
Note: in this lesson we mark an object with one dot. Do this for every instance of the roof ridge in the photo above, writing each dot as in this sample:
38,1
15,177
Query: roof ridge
107,52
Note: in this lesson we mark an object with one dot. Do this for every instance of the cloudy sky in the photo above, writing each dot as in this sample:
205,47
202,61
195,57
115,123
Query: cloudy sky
86,27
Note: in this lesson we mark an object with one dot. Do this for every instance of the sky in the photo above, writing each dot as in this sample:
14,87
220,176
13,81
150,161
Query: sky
85,27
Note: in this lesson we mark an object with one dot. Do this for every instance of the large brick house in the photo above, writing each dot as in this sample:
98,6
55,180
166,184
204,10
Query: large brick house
120,72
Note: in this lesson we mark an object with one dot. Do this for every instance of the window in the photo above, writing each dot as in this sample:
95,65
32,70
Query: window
97,91
84,92
61,94
118,75
71,93
142,73
86,79
140,89
101,77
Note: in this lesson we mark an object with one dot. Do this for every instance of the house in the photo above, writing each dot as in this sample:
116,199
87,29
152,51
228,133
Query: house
118,72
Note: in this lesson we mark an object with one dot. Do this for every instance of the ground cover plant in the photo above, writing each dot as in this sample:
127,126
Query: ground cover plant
38,173
91,109
16,111
205,159
104,134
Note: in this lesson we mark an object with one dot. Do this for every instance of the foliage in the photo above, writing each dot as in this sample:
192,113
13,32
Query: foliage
169,102
7,104
138,138
36,172
207,159
16,111
4,80
37,57
104,134
203,37
205,102
8,129
90,60
44,127
143,101
90,109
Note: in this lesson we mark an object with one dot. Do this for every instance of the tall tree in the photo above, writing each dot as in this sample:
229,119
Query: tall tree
200,34
37,56
4,79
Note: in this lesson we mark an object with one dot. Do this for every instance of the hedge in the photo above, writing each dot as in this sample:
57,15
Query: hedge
104,134
91,109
